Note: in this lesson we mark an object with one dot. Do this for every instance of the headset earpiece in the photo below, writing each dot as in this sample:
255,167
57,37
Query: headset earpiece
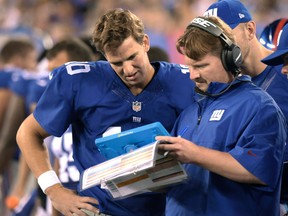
231,56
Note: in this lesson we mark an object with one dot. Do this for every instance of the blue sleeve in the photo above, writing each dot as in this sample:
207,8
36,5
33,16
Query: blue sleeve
276,85
19,85
261,145
5,79
278,89
54,109
73,88
36,89
175,75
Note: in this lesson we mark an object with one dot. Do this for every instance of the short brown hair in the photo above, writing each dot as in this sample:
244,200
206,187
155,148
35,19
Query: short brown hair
75,48
114,27
15,47
196,42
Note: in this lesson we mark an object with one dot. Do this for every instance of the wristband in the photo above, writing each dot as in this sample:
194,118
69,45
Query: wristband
47,179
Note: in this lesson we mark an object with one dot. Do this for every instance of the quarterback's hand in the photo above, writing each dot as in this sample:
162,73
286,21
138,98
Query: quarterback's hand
68,202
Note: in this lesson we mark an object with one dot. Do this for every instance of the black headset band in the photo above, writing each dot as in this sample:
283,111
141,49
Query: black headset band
211,28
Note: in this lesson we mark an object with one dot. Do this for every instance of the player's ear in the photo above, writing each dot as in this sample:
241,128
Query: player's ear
251,28
146,43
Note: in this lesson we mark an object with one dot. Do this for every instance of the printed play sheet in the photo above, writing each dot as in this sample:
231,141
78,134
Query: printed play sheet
142,170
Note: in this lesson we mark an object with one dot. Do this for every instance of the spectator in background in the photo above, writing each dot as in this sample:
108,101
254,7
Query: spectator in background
59,19
157,54
280,57
16,109
96,54
70,49
17,56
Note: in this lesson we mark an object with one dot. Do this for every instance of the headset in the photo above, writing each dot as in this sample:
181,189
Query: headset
231,56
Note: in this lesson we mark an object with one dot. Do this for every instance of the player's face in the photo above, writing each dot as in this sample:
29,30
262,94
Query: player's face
131,63
29,61
285,64
208,69
58,60
243,33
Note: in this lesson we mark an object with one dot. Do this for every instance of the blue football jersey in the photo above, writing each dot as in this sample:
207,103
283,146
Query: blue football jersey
6,75
5,78
20,84
36,89
92,98
276,84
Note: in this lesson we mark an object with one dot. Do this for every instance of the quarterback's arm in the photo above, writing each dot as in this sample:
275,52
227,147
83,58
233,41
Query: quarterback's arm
30,138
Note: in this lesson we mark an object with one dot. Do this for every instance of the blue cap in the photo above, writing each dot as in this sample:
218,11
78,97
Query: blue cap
232,12
282,48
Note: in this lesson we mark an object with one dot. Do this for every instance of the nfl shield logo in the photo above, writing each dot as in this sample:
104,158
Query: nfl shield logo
136,106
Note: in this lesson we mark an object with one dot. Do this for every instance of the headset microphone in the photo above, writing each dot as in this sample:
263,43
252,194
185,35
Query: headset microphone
199,91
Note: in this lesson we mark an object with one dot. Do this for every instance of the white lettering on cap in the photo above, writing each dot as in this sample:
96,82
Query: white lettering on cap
211,12
203,22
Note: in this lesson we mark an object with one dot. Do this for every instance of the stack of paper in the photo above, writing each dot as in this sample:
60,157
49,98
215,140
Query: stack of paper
142,170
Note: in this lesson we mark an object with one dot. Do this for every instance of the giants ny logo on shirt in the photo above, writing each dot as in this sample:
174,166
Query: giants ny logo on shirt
216,115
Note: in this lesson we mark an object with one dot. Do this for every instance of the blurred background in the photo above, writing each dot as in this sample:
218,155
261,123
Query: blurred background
48,21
